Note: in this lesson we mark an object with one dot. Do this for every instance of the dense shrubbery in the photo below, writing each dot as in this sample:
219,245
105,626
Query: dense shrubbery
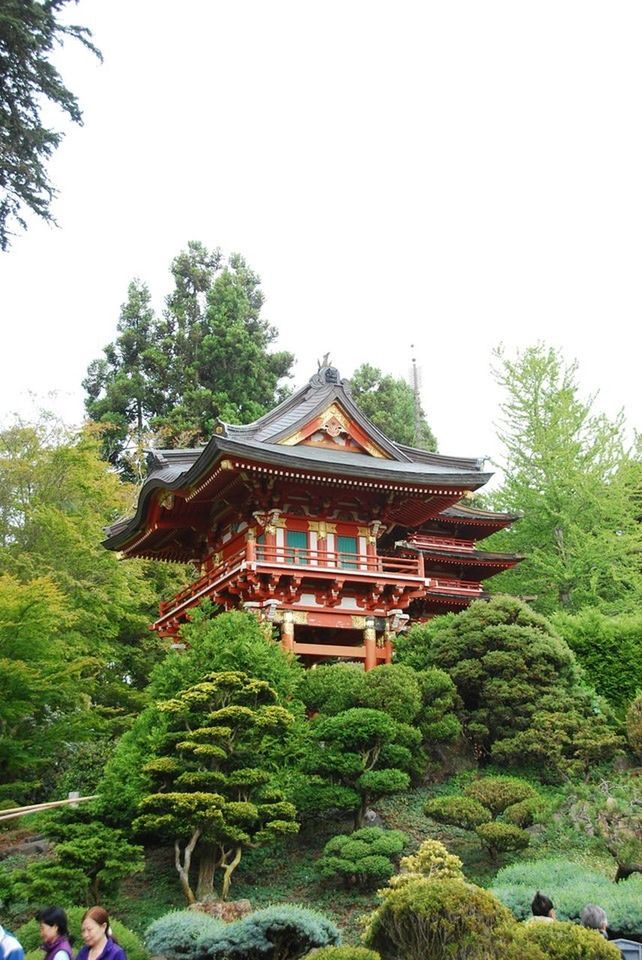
176,935
564,941
432,861
283,932
343,953
364,858
464,812
438,919
571,886
29,934
634,726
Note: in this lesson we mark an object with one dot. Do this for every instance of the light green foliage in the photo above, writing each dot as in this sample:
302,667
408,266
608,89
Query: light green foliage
343,953
499,838
568,471
440,919
571,886
634,726
499,793
89,862
365,751
30,32
565,941
390,404
524,813
30,938
283,932
433,862
214,785
464,812
515,679
177,935
609,649
364,858
206,358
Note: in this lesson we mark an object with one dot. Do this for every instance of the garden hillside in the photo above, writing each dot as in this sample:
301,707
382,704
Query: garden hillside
244,806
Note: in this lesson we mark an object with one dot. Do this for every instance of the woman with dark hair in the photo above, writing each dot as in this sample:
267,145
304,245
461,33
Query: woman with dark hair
54,931
542,908
99,942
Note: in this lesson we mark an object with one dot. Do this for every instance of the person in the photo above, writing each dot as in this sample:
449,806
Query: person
54,931
99,942
10,949
542,908
595,919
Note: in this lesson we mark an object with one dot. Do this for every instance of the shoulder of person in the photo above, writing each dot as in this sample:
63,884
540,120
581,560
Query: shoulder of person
61,955
10,948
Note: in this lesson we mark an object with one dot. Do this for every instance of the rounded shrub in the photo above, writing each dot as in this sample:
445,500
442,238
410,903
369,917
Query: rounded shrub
571,886
363,858
464,812
440,919
29,934
498,793
566,941
176,935
523,814
433,862
501,837
283,932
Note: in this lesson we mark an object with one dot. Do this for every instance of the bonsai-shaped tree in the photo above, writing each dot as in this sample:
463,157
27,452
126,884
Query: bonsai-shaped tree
364,858
478,808
215,785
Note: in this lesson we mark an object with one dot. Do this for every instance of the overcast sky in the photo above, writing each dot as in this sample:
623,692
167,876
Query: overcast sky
449,174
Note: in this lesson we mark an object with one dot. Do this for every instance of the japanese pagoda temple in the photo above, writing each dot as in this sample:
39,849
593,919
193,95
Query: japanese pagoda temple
315,521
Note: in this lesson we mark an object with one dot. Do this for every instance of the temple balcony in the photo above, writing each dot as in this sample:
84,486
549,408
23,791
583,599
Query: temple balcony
455,586
427,541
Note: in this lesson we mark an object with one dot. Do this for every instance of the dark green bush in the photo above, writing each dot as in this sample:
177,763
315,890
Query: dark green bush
458,811
29,934
176,935
364,858
566,941
439,919
501,838
634,726
498,793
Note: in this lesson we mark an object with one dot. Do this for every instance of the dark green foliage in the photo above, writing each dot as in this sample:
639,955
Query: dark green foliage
214,787
501,838
609,649
390,404
29,33
634,726
440,919
176,935
284,932
206,359
394,689
364,858
571,886
565,941
332,688
365,751
89,862
29,933
524,813
464,812
437,717
514,677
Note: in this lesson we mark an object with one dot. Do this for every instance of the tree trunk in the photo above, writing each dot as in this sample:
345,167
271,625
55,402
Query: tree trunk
183,866
206,867
228,870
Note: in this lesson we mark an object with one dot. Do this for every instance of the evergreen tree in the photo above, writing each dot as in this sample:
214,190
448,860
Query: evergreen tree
568,471
206,358
390,404
29,32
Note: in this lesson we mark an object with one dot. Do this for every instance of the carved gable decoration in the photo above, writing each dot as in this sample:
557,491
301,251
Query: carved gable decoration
334,430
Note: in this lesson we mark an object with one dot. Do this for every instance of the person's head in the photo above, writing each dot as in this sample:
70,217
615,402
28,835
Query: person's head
53,923
94,926
542,906
594,917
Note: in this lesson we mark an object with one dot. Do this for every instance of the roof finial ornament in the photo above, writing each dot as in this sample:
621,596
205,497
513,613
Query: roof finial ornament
325,373
325,362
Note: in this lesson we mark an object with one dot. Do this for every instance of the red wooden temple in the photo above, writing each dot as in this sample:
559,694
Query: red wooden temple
315,521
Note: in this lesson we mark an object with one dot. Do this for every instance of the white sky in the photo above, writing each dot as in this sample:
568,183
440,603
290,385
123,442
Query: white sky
448,174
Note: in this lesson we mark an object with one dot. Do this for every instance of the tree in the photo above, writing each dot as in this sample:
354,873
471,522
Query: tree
568,470
29,32
364,858
215,790
207,358
390,404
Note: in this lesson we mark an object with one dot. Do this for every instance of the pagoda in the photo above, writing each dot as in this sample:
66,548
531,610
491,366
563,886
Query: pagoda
318,523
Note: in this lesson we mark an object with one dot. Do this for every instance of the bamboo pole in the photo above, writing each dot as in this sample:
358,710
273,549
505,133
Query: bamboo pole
39,807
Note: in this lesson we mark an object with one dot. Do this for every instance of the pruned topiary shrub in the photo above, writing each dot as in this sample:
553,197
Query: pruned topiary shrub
176,935
431,862
499,838
283,932
440,919
29,934
565,941
458,811
498,793
364,858
523,814
571,886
